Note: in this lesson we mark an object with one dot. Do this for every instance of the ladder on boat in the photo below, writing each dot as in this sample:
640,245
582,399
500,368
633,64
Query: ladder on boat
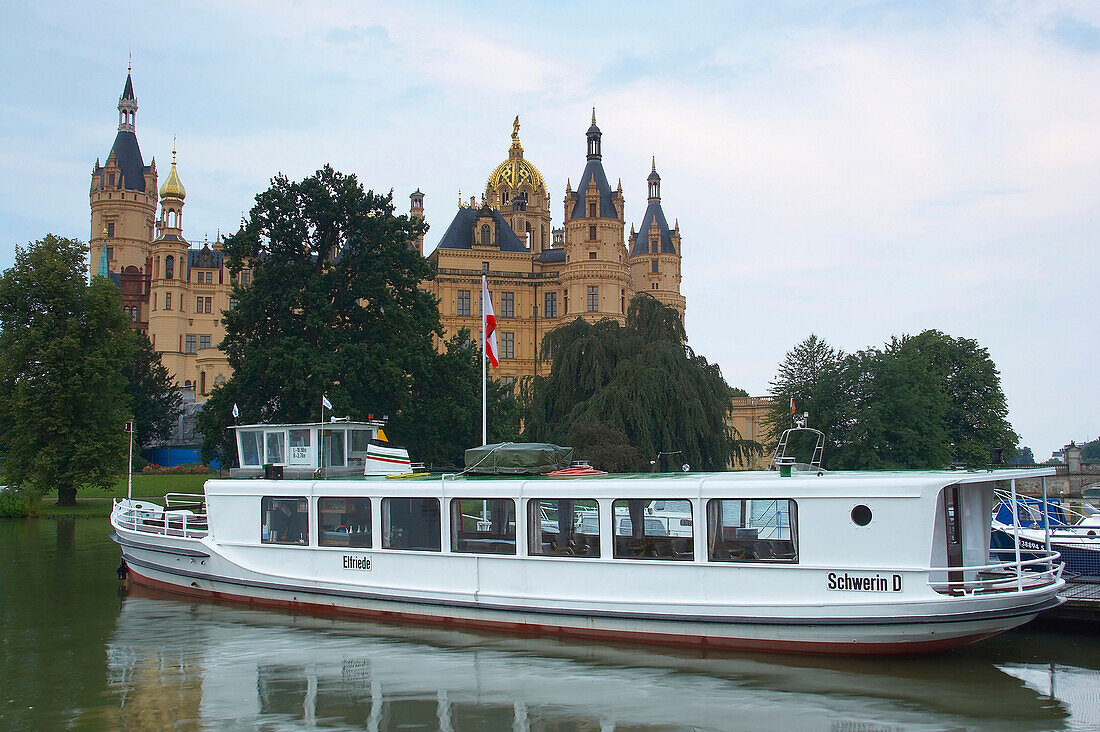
780,457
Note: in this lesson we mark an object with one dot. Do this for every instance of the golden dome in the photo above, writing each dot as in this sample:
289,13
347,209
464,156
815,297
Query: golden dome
515,171
172,187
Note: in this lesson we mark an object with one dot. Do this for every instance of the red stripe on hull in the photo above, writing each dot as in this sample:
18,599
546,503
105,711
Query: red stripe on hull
602,635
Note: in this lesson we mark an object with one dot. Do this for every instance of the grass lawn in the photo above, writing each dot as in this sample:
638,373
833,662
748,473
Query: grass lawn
95,501
148,486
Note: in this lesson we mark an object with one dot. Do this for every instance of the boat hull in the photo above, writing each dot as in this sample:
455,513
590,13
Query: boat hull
184,570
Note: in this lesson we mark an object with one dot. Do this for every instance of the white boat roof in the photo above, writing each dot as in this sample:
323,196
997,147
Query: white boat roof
307,425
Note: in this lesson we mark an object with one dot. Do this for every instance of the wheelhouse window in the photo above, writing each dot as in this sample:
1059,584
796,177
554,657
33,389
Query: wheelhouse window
563,527
653,529
285,520
343,522
276,448
483,525
752,530
251,446
332,447
411,523
299,453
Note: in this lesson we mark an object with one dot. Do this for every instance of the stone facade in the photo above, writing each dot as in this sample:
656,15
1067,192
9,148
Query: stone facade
173,292
540,277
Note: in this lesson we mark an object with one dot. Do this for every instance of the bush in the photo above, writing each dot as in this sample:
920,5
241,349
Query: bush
16,503
187,469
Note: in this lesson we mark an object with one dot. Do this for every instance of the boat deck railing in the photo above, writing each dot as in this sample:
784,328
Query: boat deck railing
183,515
1040,570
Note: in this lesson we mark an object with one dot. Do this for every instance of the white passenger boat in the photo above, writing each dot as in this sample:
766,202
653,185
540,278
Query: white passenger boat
790,560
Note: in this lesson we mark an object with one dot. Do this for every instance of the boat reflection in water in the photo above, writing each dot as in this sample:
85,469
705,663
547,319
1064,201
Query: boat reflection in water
177,662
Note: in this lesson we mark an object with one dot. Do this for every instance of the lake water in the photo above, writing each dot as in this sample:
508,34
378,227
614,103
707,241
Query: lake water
76,652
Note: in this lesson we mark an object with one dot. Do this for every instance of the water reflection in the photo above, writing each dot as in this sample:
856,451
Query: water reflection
210,665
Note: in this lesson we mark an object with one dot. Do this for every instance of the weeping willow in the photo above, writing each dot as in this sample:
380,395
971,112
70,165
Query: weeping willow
635,394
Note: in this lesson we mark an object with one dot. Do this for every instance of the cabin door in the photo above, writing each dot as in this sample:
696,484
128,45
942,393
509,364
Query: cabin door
952,509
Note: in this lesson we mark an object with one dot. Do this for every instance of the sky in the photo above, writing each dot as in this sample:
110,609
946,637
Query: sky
858,170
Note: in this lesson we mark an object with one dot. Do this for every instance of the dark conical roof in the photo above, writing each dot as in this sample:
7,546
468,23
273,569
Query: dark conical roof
640,243
128,158
594,172
128,90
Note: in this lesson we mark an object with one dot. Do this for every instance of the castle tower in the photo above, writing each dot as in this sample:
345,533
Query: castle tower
655,252
168,301
516,189
123,200
596,274
416,210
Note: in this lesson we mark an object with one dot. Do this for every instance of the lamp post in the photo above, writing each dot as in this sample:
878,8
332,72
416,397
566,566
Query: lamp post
130,467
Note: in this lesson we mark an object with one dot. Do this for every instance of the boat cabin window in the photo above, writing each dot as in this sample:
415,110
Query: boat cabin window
752,530
276,444
411,523
358,442
285,520
251,447
332,443
299,447
643,531
563,527
343,522
483,525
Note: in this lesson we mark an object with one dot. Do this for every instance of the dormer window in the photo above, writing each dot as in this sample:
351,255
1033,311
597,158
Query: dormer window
592,210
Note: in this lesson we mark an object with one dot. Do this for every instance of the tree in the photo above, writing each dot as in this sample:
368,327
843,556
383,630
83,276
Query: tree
64,349
1090,451
1023,457
976,415
450,419
153,395
639,381
334,308
811,377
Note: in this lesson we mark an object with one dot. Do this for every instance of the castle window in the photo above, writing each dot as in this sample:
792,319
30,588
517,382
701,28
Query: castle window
592,233
653,286
111,179
592,210
232,303
507,304
565,303
622,301
503,199
198,304
550,309
208,304
110,254
653,246
204,342
189,344
168,299
246,277
486,237
463,303
593,298
507,345
653,266
111,230
169,268
202,378
591,255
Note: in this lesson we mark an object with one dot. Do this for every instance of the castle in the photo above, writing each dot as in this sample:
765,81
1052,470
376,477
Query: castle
539,277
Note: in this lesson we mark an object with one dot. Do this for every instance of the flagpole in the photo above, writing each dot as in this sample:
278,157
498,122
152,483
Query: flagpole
484,358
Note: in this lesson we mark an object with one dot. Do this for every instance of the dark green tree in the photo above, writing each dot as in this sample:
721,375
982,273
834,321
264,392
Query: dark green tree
334,308
1090,451
898,413
1024,456
450,419
154,398
812,377
64,349
640,380
976,415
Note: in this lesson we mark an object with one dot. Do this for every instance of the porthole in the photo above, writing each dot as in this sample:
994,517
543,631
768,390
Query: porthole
861,515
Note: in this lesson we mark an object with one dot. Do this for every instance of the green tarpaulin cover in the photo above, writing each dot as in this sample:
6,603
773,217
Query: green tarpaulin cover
517,458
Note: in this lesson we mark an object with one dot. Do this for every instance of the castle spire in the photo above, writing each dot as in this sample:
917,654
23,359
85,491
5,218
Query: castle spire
127,104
